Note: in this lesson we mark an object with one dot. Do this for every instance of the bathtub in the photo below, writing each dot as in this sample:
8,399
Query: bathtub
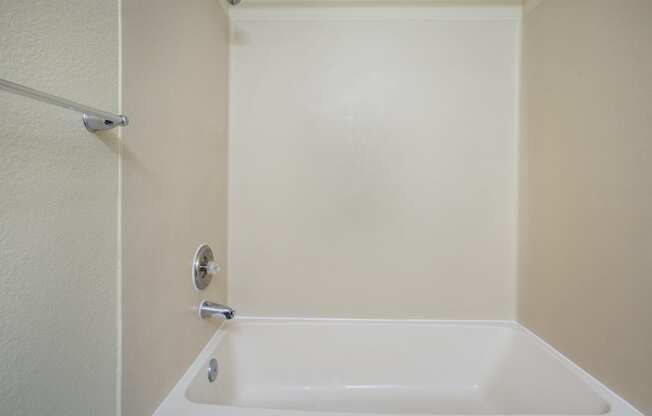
311,367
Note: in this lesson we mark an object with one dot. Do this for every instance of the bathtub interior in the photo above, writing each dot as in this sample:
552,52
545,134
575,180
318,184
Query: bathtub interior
391,368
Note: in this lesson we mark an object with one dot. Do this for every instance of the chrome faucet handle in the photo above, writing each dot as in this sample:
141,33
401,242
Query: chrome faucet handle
204,267
210,268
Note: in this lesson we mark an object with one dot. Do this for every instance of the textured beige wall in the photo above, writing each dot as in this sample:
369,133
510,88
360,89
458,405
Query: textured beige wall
58,211
586,193
373,167
174,187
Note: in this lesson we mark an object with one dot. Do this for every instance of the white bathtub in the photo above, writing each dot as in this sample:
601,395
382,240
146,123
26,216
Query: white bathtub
297,367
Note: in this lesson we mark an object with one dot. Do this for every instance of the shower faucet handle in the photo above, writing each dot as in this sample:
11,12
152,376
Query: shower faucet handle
210,268
204,267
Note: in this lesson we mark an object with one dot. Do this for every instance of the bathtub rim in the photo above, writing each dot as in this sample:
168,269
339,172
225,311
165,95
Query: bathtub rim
176,401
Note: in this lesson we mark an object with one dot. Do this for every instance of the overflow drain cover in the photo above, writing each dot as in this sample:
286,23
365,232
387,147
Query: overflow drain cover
212,370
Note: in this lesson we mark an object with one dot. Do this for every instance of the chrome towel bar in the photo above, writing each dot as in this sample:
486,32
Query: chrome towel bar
93,118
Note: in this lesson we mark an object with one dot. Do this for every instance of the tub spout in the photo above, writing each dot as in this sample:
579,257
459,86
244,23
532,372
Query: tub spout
209,309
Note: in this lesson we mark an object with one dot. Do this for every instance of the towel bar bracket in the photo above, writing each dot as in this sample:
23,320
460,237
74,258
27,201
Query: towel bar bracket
95,123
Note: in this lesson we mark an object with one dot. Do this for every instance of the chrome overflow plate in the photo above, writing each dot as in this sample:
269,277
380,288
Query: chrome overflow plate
212,370
203,267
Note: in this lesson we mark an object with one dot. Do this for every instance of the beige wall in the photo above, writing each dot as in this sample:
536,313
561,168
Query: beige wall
174,187
373,163
586,197
58,211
